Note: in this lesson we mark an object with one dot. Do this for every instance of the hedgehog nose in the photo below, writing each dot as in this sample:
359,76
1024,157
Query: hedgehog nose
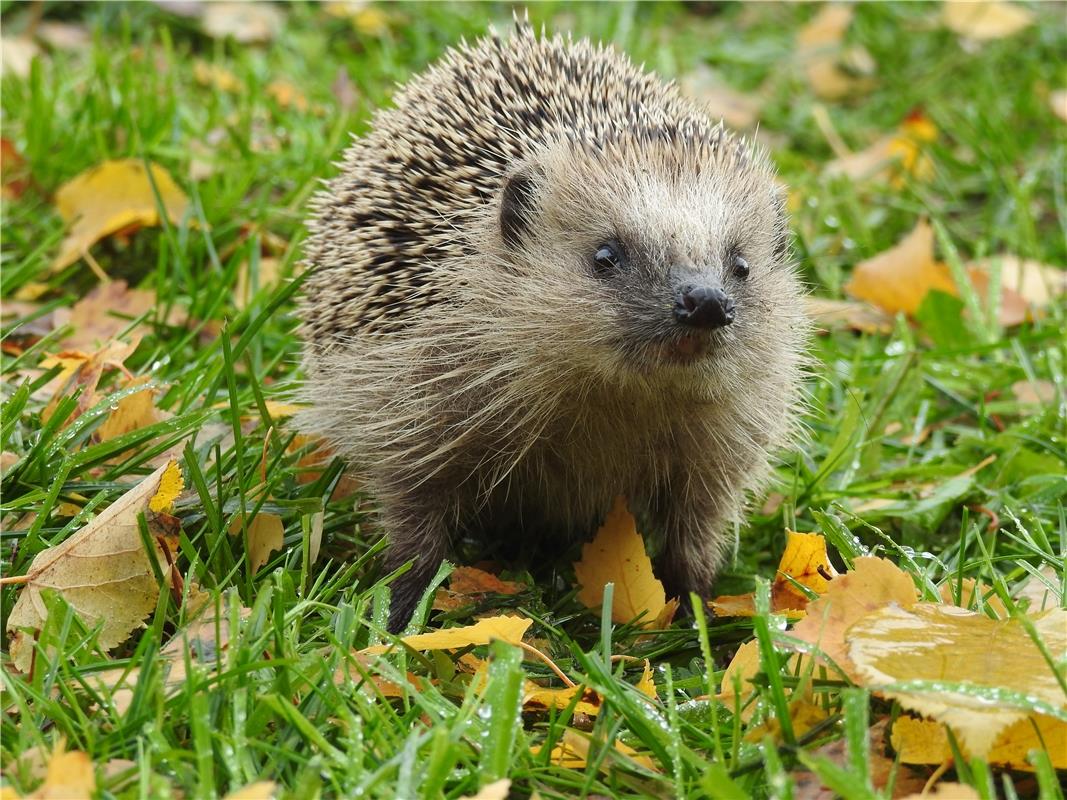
703,307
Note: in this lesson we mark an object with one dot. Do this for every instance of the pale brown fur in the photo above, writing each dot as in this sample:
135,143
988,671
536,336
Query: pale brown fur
498,385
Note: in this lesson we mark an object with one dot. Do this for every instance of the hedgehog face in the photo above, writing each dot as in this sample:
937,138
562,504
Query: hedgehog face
675,253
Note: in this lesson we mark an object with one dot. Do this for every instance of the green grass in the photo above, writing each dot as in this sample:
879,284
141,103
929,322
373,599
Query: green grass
268,706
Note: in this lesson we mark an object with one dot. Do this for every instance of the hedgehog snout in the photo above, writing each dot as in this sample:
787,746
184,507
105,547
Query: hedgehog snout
705,307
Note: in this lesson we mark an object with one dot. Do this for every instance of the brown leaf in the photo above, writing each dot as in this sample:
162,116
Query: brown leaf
133,412
833,71
617,555
856,316
737,109
982,20
69,776
1057,101
14,172
64,35
266,534
98,317
893,157
102,571
110,197
871,585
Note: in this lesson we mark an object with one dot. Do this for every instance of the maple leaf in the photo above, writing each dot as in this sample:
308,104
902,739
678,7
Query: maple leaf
102,571
510,628
617,555
111,197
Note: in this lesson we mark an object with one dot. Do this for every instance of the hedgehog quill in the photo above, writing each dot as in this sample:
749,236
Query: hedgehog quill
544,279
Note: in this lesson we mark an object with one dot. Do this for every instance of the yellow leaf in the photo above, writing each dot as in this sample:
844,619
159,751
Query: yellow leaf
832,70
982,20
870,586
539,699
617,555
922,741
266,534
510,628
497,790
743,667
216,77
170,486
70,777
133,412
572,752
647,686
102,571
804,561
245,22
803,714
260,790
972,595
943,645
109,197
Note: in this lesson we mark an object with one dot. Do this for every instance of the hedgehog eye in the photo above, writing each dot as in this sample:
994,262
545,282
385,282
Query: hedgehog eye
608,256
740,267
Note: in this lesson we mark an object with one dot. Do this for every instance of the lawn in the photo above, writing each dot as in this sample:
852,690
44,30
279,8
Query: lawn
935,433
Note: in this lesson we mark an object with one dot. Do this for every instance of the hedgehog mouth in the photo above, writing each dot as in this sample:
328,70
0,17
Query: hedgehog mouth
681,350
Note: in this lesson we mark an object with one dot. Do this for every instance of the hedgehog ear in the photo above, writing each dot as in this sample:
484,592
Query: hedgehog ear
517,204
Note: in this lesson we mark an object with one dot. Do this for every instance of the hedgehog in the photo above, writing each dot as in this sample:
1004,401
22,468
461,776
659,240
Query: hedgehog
544,279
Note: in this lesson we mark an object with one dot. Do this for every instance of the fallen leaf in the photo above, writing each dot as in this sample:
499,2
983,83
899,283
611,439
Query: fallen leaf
804,561
1037,284
247,23
946,791
366,19
260,790
497,790
133,412
1037,592
804,716
111,197
509,628
971,594
537,699
14,172
267,275
82,371
16,55
832,70
893,157
856,316
69,776
266,534
572,751
98,317
1057,101
469,585
737,109
315,537
287,95
869,586
308,468
923,741
1034,393
102,571
63,35
899,278
617,555
982,20
947,645
647,686
216,76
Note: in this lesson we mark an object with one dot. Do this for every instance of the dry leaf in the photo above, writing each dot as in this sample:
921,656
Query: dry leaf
537,699
102,571
510,628
982,20
245,22
721,101
111,197
268,273
647,686
366,19
1034,393
215,76
1037,284
856,316
743,667
871,585
572,751
617,555
16,55
946,791
804,561
69,776
266,534
315,537
1037,592
14,172
944,644
497,790
803,714
1057,101
63,35
922,741
891,157
260,790
287,95
469,585
98,317
971,594
133,412
832,70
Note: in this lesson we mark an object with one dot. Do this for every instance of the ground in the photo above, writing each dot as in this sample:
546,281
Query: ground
934,438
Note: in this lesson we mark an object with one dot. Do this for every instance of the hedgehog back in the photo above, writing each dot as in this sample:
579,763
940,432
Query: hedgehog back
409,188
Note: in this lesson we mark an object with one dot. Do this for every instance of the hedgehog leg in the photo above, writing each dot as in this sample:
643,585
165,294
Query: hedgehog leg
423,542
694,547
